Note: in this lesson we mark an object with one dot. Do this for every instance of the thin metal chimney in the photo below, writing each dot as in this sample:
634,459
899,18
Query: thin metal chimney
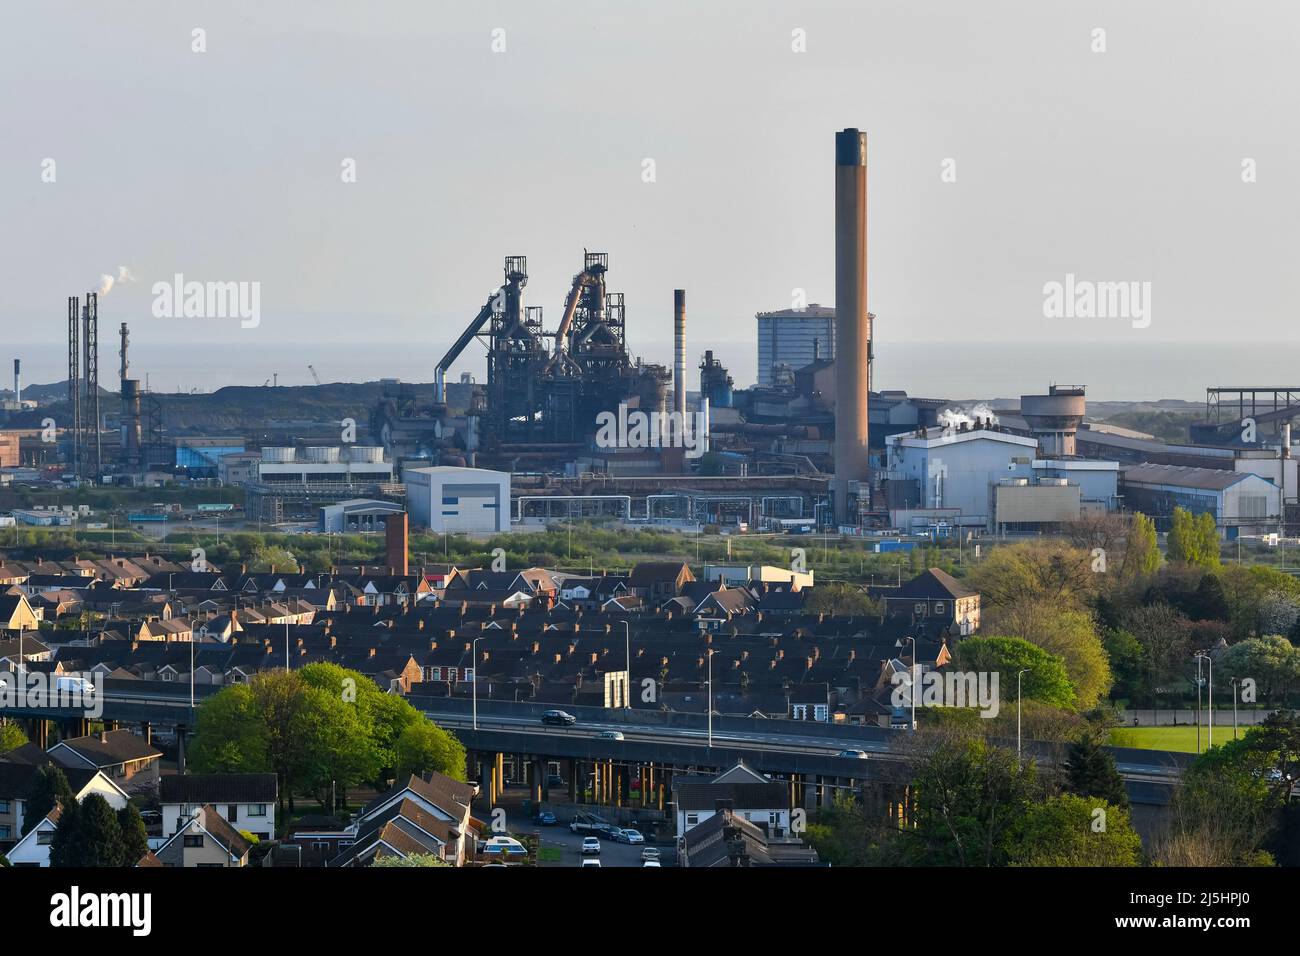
18,383
852,324
679,352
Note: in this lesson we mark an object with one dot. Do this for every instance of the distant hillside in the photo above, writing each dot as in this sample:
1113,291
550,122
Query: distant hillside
244,410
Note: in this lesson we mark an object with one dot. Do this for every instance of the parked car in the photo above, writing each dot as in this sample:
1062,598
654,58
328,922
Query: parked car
559,718
610,735
587,863
650,853
630,837
545,818
554,780
853,754
654,863
503,846
74,685
590,844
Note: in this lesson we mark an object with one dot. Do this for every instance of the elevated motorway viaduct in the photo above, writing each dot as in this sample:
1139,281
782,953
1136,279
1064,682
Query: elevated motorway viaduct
655,745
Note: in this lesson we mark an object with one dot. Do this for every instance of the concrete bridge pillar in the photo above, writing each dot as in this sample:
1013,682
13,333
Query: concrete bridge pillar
621,786
537,780
497,777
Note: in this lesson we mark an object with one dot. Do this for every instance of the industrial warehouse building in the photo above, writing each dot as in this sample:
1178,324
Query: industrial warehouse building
1242,503
445,498
357,515
795,338
986,479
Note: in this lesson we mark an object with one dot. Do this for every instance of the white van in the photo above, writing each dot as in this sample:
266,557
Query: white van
73,685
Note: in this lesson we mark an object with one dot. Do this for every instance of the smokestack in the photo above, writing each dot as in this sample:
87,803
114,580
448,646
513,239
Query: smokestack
132,431
704,423
396,543
679,352
852,326
18,383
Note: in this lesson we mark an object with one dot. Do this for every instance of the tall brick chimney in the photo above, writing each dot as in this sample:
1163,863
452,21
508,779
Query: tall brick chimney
396,538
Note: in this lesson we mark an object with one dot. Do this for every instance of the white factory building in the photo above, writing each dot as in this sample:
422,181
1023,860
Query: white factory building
1241,502
324,465
984,479
451,499
357,515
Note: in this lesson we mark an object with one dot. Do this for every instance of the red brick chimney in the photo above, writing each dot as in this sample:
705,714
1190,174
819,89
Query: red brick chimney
396,543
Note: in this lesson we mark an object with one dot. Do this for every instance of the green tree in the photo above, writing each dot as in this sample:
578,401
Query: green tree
1181,545
1210,603
11,735
322,730
230,734
1233,806
1273,662
1208,548
415,859
270,556
1090,772
88,835
969,797
839,833
1070,830
1052,571
338,749
135,839
839,599
49,787
1127,663
1142,554
425,747
1069,633
1194,539
1046,679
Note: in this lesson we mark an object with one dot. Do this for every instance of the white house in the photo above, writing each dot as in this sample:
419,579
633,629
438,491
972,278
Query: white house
750,796
247,801
34,848
20,768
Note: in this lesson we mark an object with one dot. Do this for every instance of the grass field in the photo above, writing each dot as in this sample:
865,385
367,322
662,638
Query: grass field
1167,738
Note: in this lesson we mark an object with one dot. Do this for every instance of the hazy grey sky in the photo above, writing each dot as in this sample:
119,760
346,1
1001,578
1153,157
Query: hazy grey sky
225,165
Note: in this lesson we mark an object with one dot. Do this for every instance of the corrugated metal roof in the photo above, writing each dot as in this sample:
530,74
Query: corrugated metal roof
1205,479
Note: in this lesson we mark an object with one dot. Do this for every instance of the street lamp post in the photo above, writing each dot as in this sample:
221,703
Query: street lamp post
1018,674
1198,702
473,685
911,676
710,697
1209,694
1234,708
627,682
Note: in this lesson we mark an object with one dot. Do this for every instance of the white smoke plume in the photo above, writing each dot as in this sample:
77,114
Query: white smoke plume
950,419
106,281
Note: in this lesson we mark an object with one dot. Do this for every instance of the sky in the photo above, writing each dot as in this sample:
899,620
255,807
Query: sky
486,129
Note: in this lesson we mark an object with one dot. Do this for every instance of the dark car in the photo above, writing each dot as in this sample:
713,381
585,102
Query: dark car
558,717
545,818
